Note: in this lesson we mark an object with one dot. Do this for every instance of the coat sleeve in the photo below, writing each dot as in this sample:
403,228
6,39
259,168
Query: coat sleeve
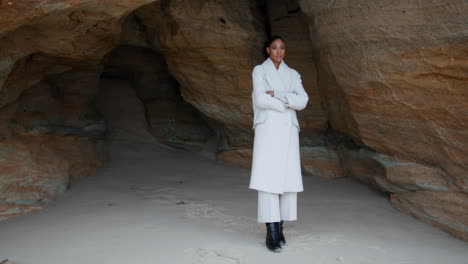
260,98
282,97
298,98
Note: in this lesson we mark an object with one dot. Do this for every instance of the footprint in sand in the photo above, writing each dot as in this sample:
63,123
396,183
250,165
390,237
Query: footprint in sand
231,222
195,209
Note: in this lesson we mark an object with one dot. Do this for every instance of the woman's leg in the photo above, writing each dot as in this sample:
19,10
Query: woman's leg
288,206
269,213
268,207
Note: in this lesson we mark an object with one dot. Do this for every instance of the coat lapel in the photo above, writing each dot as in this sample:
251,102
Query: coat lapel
278,79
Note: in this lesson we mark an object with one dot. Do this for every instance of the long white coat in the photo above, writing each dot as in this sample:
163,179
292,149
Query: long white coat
276,164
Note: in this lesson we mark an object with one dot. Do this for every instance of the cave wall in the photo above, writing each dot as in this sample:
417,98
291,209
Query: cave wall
26,28
50,133
69,36
165,114
210,48
393,75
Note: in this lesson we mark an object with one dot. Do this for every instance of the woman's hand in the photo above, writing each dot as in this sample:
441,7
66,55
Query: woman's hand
272,93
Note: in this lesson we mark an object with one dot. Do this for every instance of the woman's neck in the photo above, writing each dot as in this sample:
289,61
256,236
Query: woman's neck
277,64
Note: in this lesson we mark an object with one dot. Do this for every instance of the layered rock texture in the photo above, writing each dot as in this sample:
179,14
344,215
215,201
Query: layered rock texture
50,136
50,131
386,80
210,48
393,75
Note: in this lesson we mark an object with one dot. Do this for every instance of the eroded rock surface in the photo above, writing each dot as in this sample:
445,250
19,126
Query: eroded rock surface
50,136
211,48
393,75
445,210
72,29
50,133
322,161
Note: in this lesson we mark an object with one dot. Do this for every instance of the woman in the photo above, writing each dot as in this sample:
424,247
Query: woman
276,169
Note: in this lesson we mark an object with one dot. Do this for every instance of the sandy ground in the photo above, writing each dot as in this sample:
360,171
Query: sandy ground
155,205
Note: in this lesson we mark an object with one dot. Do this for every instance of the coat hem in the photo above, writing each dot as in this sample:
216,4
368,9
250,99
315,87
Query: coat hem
274,191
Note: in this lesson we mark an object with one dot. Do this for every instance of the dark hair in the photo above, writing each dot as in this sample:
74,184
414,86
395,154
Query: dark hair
268,43
272,39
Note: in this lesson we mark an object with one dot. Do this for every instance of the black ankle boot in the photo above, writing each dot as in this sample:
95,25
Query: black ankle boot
272,242
281,239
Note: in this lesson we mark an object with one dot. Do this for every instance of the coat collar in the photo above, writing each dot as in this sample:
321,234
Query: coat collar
277,78
268,63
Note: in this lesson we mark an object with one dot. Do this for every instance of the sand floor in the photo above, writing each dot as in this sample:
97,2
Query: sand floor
155,205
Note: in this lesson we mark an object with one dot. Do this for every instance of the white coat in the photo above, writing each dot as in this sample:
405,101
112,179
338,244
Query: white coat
276,164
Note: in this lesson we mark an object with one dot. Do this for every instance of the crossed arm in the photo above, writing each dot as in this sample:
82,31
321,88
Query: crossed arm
278,100
261,98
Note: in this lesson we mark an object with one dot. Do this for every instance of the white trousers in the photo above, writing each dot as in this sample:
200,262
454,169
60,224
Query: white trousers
273,207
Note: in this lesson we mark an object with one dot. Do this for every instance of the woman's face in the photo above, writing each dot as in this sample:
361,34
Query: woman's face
276,50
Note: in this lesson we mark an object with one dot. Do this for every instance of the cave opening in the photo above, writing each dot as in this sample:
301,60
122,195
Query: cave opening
140,100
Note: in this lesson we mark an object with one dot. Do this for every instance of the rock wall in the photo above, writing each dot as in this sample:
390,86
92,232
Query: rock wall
49,137
50,133
91,29
211,48
393,75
